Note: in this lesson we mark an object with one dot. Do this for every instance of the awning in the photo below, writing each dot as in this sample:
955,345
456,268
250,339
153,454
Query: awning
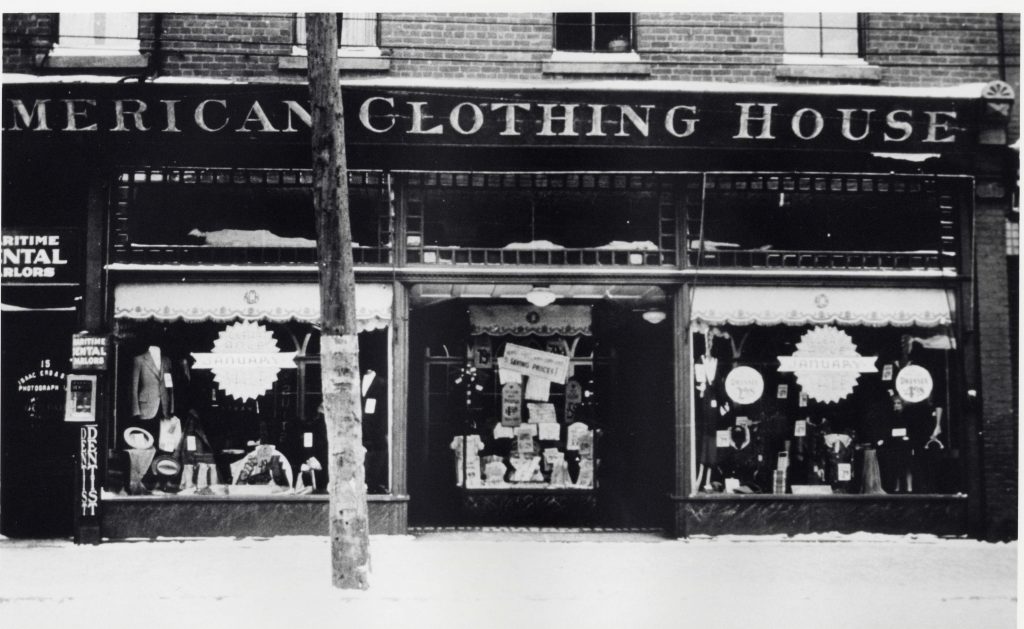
901,307
224,301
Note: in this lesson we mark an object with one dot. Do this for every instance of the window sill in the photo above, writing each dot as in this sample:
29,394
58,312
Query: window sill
363,58
96,57
830,71
562,62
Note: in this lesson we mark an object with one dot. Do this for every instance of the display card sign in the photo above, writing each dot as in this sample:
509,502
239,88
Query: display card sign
826,364
89,463
90,352
511,404
535,363
744,385
44,256
245,360
914,384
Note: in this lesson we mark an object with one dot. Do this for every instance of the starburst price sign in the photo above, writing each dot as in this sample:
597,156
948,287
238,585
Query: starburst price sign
245,360
826,364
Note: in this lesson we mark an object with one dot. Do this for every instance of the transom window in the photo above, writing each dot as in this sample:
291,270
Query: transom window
99,30
355,30
594,32
811,37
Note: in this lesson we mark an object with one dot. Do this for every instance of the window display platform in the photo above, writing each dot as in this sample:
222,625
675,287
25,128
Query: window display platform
211,516
770,514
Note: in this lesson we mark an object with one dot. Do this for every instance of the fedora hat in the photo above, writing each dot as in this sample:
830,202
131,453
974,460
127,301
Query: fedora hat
137,437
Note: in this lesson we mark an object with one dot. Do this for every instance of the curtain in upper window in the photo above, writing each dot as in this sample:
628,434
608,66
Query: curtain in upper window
94,30
354,29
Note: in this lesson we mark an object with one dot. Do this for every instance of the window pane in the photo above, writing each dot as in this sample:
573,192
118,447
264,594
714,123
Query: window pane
801,19
840,42
300,29
358,29
839,20
610,27
573,31
802,40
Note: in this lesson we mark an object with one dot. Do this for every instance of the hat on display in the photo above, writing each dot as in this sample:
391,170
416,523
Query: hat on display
166,465
137,437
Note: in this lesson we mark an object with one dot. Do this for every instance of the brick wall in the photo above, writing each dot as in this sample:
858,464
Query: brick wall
999,425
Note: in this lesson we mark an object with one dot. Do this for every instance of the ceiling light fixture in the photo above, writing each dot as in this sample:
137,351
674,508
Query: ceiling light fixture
654,315
541,296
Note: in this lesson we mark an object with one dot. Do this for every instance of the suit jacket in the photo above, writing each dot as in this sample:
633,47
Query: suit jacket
149,394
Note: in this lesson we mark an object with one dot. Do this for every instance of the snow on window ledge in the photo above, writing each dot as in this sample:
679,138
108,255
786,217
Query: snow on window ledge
124,54
566,62
349,58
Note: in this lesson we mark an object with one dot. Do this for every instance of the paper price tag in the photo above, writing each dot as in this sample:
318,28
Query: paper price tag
371,406
899,432
803,399
168,382
723,438
190,443
307,440
782,392
800,428
845,471
887,373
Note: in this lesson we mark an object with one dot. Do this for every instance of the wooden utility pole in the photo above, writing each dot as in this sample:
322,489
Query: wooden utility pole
339,337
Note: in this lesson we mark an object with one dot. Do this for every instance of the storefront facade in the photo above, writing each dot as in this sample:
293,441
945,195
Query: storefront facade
626,305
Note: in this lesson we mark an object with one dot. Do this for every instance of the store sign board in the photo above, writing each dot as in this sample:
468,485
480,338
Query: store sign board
39,256
245,360
826,364
535,363
914,384
90,352
536,116
744,385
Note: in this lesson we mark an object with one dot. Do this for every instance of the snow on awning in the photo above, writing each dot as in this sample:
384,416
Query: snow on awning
228,301
526,320
901,307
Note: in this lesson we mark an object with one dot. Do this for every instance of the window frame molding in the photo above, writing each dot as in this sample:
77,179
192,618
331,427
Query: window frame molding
839,66
367,58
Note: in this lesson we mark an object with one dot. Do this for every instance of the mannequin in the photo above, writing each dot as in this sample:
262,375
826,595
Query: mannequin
151,379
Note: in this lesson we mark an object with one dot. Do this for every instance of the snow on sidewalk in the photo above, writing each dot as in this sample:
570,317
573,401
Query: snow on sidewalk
515,580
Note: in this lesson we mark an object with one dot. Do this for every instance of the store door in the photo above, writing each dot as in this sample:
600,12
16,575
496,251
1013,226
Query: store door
37,449
614,448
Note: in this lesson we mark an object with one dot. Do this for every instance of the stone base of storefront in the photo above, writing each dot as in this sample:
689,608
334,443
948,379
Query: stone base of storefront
793,515
149,517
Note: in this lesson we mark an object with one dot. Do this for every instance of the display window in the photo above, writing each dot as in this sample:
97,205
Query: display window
233,408
859,403
226,215
827,221
537,218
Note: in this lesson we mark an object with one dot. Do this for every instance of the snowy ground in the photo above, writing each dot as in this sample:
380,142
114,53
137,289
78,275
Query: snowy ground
516,580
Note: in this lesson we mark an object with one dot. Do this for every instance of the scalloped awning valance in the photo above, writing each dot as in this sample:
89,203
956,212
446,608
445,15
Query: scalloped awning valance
774,305
223,301
526,320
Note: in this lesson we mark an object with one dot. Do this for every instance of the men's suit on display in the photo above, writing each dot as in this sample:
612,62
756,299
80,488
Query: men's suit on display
150,397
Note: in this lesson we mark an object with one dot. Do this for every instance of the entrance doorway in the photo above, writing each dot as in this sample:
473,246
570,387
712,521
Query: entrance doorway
592,449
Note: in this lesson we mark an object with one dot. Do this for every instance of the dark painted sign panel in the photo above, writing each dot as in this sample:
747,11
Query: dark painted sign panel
478,117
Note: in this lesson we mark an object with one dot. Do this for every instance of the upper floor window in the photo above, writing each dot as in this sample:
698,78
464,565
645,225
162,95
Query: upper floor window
594,32
85,33
821,37
355,30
